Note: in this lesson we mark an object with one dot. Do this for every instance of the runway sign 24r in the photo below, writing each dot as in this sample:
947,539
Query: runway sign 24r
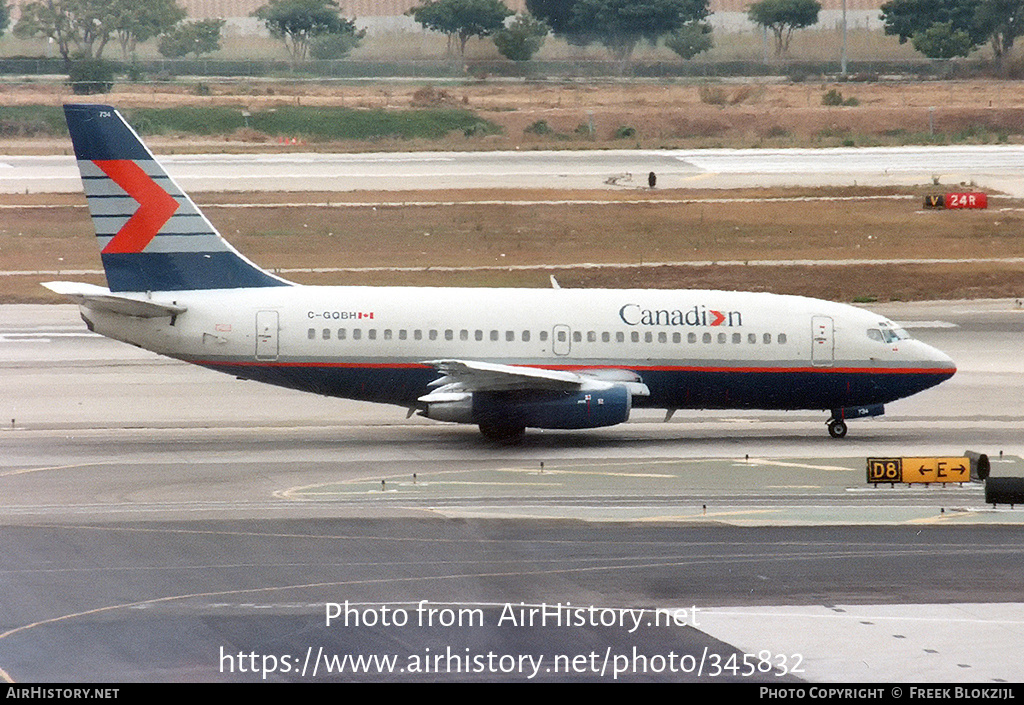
911,470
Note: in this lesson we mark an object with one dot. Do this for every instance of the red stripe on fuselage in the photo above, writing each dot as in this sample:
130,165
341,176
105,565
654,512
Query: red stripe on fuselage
156,206
577,368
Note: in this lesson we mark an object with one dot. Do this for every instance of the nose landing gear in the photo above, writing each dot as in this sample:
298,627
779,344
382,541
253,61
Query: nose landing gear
837,422
836,428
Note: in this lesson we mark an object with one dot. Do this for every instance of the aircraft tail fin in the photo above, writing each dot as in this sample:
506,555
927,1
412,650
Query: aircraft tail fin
152,236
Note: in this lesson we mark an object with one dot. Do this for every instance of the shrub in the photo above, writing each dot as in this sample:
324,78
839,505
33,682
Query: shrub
541,127
91,76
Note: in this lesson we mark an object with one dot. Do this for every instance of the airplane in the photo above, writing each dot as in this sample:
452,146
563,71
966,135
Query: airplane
503,359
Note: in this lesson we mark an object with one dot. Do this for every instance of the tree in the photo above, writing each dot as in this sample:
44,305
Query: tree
201,37
80,28
521,39
462,19
621,24
5,17
1002,21
334,46
556,14
998,22
298,22
782,17
690,39
136,21
905,18
941,41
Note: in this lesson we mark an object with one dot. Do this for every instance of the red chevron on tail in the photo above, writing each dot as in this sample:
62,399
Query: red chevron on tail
155,205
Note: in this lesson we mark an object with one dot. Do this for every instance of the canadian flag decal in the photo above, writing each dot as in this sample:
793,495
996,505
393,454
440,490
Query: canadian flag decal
155,205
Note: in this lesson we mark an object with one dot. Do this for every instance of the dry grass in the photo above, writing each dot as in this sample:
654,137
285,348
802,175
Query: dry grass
664,114
514,234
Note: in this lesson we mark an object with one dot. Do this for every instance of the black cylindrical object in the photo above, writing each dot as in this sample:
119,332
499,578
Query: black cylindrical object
1004,490
980,466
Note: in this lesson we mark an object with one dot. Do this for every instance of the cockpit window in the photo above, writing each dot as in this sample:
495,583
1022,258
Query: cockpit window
887,333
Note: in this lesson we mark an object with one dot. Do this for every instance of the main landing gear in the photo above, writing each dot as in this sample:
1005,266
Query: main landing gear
502,434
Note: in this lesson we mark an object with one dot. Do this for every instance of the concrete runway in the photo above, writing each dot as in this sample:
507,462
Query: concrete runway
163,522
989,166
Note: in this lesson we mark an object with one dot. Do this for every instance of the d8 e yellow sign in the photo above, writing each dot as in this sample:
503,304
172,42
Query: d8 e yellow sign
910,470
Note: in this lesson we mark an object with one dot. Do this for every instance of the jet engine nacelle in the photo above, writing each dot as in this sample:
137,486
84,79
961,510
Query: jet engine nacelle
590,408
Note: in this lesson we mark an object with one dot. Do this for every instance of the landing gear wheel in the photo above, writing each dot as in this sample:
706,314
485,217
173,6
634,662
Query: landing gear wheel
836,428
507,435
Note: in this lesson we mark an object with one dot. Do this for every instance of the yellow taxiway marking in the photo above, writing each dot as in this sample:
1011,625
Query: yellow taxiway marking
25,471
709,515
783,464
555,471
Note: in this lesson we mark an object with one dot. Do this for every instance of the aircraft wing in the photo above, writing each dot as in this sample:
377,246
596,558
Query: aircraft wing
466,376
101,298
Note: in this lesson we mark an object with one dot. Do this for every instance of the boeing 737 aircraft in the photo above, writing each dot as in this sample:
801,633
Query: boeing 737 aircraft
503,359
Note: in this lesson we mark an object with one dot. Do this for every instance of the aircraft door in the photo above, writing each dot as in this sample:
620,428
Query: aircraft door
266,335
561,340
822,341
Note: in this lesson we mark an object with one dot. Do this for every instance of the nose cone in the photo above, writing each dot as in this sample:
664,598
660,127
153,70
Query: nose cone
938,359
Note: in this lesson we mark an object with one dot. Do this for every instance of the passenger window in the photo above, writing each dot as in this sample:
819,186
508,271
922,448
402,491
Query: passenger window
478,335
620,337
432,334
341,334
372,334
737,338
782,338
449,334
526,336
463,334
691,337
510,336
706,337
677,338
577,337
417,335
387,334
327,334
662,337
767,338
312,333
561,336
591,336
357,333
752,338
402,334
721,338
543,336
635,337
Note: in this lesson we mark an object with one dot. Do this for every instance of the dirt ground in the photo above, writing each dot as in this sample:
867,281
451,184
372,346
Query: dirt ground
471,243
675,226
590,114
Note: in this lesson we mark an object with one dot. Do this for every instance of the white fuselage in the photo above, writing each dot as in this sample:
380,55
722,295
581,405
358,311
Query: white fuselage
349,341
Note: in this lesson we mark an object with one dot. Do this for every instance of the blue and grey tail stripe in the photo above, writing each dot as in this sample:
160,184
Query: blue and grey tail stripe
185,252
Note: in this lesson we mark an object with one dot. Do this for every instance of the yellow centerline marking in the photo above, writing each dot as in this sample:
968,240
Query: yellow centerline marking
25,471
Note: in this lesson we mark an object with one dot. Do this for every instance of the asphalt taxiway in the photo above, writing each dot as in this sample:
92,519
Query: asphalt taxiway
163,522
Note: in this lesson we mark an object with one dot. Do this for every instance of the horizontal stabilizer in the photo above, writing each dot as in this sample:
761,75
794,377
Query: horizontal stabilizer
101,299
